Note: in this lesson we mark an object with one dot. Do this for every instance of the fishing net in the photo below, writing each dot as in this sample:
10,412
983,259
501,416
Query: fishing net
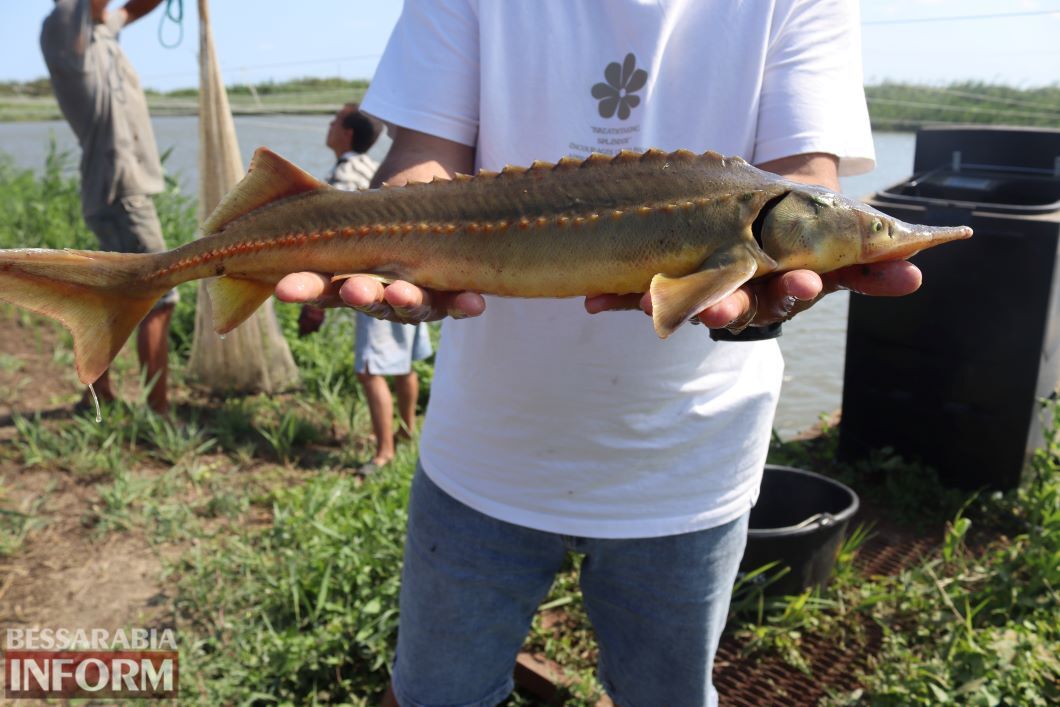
254,357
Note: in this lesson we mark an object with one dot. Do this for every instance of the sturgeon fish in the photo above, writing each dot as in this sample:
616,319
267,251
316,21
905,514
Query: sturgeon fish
690,229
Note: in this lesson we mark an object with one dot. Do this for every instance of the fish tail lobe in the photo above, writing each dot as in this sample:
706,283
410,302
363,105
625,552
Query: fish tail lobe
99,297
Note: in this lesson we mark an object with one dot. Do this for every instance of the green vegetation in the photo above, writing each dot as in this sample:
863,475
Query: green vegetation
892,106
37,88
282,566
306,609
16,522
977,625
897,106
292,88
34,101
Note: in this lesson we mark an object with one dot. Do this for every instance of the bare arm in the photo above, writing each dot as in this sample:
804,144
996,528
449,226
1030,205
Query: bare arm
125,15
97,9
135,9
420,157
809,168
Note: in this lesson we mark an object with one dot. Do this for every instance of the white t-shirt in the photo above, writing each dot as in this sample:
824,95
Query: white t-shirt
540,414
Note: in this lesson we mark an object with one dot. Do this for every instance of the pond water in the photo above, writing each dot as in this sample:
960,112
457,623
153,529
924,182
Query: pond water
813,343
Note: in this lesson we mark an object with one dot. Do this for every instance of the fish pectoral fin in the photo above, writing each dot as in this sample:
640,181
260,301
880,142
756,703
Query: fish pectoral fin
676,299
234,299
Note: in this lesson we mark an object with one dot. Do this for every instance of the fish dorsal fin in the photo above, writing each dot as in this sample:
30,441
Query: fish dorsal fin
269,178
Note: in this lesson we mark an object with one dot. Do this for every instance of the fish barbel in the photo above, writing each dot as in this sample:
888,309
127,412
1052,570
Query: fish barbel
690,229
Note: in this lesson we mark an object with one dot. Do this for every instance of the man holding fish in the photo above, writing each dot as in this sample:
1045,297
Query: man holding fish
550,431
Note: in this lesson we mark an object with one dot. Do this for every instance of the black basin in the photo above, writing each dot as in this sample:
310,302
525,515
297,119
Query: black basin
800,522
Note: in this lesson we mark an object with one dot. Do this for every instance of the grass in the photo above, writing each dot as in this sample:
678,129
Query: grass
978,625
18,521
285,576
305,610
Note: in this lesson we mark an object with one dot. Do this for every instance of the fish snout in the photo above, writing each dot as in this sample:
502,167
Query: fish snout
904,240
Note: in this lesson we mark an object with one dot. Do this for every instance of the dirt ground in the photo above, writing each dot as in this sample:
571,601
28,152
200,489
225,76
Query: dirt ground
63,574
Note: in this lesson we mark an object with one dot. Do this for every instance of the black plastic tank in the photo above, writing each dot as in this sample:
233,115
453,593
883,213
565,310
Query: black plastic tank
951,375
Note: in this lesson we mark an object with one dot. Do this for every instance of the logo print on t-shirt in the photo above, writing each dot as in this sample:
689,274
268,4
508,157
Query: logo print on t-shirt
623,81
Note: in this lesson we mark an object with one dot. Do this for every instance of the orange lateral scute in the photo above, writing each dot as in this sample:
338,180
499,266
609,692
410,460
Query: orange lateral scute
269,178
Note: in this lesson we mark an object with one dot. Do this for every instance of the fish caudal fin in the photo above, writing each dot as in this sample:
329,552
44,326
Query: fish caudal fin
676,299
99,297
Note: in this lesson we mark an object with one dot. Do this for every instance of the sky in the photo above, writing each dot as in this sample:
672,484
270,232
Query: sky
920,41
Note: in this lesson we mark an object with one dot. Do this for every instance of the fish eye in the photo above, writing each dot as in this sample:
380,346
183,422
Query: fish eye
877,225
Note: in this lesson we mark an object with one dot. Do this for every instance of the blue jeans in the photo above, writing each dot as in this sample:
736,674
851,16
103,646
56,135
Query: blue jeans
471,585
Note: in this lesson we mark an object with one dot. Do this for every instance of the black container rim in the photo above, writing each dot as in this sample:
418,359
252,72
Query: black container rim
795,531
887,197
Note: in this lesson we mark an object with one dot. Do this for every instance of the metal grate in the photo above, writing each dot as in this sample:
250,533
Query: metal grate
758,681
761,682
884,556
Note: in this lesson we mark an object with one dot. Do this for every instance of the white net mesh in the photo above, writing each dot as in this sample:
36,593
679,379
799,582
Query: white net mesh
255,356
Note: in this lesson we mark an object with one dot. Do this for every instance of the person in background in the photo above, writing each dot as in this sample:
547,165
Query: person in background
351,134
383,348
100,96
551,431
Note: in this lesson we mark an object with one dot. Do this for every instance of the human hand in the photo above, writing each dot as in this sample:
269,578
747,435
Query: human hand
115,20
780,297
399,301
